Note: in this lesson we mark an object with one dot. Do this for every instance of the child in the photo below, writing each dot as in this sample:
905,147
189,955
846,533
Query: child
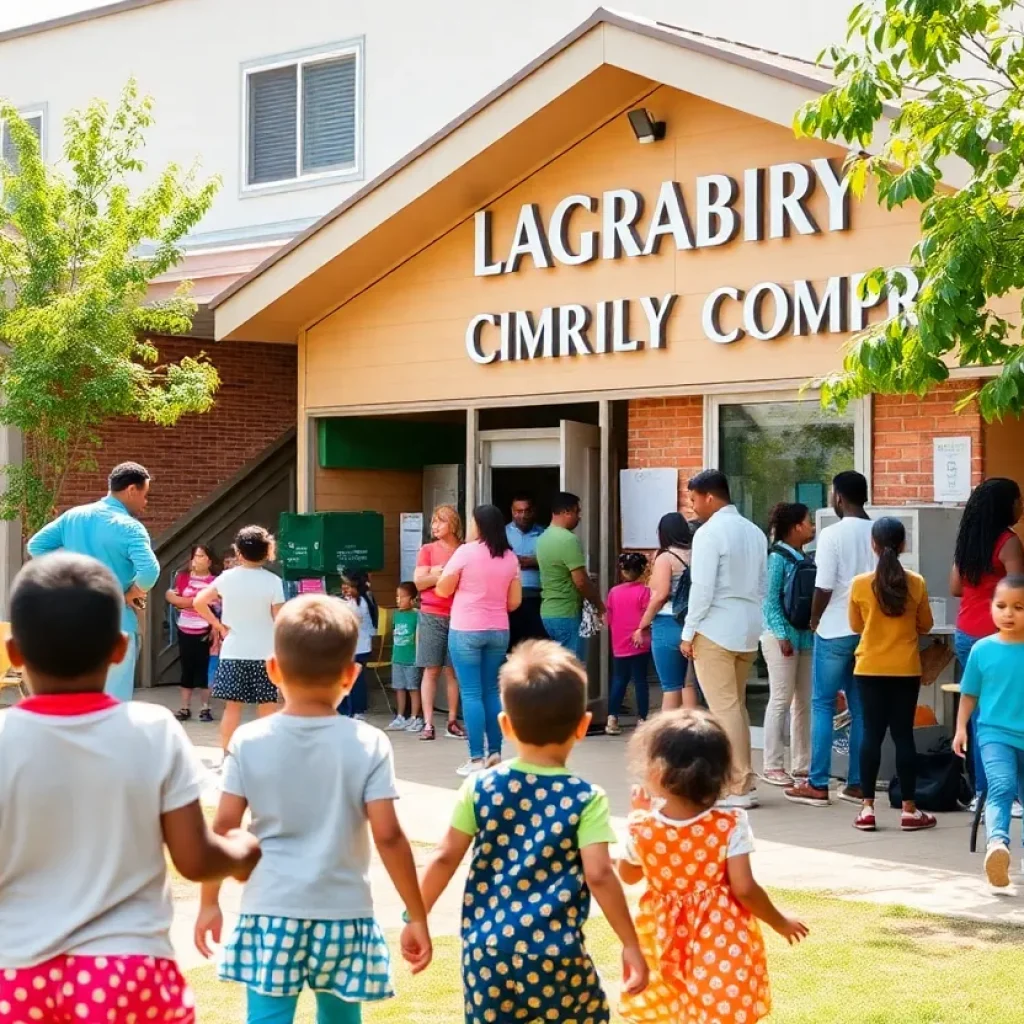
889,609
698,915
405,676
85,919
250,597
992,684
355,591
229,561
193,632
540,838
625,607
312,781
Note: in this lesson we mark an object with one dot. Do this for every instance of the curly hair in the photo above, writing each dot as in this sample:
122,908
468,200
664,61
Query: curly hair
990,511
633,562
687,751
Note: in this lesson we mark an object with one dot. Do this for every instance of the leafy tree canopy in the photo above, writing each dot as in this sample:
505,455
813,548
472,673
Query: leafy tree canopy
953,73
80,242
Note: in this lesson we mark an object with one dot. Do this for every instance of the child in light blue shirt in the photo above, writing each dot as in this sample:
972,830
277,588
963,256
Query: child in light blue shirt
993,683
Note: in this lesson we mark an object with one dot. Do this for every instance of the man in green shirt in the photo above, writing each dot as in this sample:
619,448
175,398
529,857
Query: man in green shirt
564,581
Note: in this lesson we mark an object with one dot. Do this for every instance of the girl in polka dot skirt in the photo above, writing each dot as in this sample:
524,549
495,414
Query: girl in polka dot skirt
698,919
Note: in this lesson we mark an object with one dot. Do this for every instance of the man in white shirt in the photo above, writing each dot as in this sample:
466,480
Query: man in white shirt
723,620
844,551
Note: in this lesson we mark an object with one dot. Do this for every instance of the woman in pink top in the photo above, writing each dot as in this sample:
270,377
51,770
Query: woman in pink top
432,630
483,579
626,605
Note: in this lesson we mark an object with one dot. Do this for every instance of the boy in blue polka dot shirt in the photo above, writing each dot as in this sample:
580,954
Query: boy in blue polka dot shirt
540,837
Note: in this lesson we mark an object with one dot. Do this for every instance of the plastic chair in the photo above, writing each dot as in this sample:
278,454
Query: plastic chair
385,625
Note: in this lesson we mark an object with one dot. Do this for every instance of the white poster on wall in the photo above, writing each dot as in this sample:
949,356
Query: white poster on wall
410,537
951,469
645,495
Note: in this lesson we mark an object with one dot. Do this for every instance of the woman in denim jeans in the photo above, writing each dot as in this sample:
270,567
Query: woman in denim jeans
674,536
483,576
987,549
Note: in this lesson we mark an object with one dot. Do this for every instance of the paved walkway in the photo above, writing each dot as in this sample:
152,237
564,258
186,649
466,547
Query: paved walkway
797,847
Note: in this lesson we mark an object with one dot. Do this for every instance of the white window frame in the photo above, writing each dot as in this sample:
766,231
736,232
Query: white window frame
36,110
860,408
299,59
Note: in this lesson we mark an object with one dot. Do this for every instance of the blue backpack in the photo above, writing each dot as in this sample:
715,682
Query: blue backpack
797,593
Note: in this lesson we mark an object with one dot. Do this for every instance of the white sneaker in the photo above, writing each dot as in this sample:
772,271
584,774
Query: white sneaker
973,806
739,802
360,717
414,725
398,724
471,767
1017,811
997,864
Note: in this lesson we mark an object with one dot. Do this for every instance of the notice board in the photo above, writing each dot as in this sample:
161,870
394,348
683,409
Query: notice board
645,495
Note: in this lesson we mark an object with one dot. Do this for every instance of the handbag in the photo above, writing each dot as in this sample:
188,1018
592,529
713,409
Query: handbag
942,783
590,623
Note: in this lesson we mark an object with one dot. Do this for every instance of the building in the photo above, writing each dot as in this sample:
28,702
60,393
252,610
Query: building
582,303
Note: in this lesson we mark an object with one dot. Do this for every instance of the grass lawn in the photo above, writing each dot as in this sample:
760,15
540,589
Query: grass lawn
863,964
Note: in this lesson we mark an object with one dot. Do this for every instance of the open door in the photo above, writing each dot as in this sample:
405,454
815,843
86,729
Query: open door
580,463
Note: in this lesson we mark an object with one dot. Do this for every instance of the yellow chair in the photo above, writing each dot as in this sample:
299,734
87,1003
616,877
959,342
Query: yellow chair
385,626
8,677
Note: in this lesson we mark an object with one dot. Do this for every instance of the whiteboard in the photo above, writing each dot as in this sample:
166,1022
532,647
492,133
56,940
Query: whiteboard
645,495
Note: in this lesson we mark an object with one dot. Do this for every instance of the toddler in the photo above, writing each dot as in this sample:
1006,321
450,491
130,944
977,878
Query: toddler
698,914
317,785
626,605
405,676
85,909
993,684
540,837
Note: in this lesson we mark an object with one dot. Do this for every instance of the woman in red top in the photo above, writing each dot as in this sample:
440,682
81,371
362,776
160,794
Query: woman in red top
987,549
435,613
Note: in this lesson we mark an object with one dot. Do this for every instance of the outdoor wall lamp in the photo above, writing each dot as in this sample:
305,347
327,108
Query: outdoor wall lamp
645,128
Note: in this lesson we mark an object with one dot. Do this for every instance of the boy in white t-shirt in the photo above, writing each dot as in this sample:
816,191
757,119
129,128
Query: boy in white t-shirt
91,790
844,551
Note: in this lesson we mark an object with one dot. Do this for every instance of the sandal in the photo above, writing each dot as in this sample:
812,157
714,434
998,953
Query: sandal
865,821
454,731
183,714
427,733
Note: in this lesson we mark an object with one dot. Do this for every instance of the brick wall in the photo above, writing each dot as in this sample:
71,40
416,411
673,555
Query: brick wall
904,427
256,403
667,432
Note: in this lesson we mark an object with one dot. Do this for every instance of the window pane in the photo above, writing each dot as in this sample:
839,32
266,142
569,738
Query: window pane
782,451
10,153
329,115
273,110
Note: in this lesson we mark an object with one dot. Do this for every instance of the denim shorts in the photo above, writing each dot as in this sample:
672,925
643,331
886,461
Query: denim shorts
405,677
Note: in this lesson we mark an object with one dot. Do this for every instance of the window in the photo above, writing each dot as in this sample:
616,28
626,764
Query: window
302,119
34,119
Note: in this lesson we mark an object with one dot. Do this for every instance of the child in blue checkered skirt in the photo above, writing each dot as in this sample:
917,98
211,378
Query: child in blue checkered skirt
318,787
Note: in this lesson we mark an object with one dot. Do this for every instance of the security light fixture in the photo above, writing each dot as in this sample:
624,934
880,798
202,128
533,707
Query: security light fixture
645,128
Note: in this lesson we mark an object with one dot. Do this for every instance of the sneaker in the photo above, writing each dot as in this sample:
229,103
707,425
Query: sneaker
865,821
805,793
776,777
471,767
973,805
183,714
360,717
398,724
851,794
415,725
997,864
453,730
739,802
919,821
206,715
611,727
1017,811
493,760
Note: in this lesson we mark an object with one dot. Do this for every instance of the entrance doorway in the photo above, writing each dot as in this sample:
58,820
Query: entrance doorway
541,483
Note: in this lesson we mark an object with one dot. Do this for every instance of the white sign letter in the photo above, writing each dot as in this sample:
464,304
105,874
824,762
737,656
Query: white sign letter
837,188
787,207
669,218
535,342
558,232
621,209
752,309
476,353
621,341
715,195
809,315
573,322
482,265
859,306
902,293
528,240
657,318
753,204
711,317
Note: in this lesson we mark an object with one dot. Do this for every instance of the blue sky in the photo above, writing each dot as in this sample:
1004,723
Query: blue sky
26,12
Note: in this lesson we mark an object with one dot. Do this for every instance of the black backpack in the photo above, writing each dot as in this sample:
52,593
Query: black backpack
798,589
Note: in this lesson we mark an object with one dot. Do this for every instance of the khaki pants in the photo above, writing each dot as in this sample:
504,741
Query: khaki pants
722,676
789,683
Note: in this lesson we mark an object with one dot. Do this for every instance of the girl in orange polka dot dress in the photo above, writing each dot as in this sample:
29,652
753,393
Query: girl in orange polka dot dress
698,915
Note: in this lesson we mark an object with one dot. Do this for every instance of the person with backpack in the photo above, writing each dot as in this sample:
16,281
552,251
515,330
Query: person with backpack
670,579
788,643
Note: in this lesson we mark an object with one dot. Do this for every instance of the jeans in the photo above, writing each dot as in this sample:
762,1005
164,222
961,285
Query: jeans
889,704
962,644
789,687
262,1009
356,700
832,671
1004,768
566,632
669,662
478,656
632,668
121,678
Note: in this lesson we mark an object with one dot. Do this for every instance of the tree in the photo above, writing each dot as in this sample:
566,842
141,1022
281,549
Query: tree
954,72
78,248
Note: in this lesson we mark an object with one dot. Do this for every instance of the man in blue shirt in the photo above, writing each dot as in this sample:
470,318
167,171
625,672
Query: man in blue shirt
524,623
109,531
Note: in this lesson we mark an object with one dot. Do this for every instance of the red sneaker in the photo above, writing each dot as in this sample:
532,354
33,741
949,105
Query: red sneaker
865,821
918,821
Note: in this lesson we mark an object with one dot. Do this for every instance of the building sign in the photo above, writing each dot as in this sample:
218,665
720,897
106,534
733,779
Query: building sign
771,203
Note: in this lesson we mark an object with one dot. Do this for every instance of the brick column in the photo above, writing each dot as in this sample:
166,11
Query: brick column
667,433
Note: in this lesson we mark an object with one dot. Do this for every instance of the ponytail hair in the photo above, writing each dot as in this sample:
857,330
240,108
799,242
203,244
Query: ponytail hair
890,583
783,518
